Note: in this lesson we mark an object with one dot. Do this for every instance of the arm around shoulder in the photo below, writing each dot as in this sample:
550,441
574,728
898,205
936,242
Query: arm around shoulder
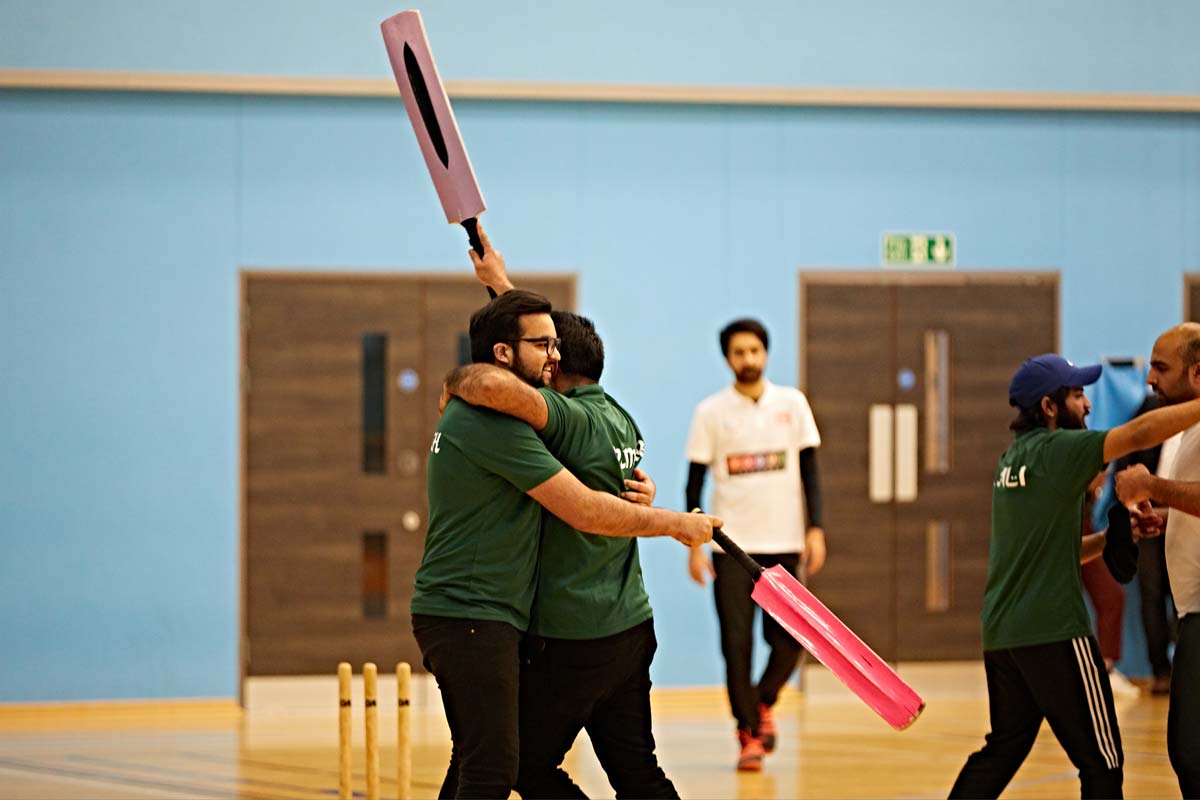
1150,429
499,389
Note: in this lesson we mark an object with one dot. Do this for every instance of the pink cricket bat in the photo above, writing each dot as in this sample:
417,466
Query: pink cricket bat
433,121
825,636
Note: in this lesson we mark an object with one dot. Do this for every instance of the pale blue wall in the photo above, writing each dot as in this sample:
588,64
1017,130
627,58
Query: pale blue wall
124,219
1056,45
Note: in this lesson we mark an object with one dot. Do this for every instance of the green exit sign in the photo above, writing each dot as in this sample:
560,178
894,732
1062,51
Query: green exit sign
918,249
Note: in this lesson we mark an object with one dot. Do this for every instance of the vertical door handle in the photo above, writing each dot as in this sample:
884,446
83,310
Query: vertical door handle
906,453
938,428
938,569
879,453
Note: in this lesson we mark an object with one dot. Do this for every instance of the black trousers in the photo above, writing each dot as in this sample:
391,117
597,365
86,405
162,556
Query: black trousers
1154,588
1183,719
477,666
1064,683
598,685
735,613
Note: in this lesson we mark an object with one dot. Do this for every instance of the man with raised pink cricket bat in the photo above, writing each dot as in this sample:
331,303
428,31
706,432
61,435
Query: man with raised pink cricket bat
800,614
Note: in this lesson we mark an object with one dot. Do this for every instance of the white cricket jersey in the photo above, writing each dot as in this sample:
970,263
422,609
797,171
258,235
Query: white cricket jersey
1183,530
753,450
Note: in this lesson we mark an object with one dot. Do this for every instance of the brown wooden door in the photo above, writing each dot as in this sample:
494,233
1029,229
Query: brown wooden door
1191,297
939,350
980,333
847,331
341,383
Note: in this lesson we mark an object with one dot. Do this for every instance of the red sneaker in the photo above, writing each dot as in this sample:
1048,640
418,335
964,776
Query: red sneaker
766,728
751,757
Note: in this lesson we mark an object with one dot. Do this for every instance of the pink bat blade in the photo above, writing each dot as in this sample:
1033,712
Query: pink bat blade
432,117
825,636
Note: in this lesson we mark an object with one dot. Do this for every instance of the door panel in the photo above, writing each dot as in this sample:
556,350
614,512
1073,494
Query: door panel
986,341
847,372
915,588
316,592
1191,297
308,498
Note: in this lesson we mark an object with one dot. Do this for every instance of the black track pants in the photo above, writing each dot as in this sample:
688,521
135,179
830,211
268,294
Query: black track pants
1064,683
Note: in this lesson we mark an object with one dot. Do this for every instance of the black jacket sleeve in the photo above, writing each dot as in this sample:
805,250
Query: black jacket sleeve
695,484
1120,551
810,477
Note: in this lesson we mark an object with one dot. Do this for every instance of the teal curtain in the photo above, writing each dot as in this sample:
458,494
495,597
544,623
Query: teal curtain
1115,398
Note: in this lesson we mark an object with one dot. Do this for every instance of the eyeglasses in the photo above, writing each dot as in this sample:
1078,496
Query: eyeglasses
543,341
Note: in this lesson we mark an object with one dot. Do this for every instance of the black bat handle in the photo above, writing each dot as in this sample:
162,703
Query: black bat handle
471,225
738,554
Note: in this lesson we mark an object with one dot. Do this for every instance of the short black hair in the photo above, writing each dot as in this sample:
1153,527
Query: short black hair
500,321
745,325
582,351
1032,417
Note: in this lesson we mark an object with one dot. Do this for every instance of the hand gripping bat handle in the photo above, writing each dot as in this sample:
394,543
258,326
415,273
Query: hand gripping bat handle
738,554
471,225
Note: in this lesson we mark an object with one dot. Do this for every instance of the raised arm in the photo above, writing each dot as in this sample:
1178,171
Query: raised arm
496,388
608,515
490,269
1153,427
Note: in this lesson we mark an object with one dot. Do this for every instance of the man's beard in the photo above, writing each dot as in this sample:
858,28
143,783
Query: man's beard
1069,420
748,375
1178,394
534,377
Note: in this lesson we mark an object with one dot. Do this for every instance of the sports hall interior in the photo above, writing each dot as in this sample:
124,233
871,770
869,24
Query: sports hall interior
201,202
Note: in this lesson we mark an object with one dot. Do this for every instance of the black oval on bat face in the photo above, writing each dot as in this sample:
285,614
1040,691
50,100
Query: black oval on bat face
416,79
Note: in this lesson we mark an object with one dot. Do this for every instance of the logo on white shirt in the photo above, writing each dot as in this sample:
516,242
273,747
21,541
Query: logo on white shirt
749,463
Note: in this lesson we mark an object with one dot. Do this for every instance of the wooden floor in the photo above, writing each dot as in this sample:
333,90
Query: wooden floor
830,747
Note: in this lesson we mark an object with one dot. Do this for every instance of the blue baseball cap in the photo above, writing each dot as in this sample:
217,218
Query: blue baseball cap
1046,374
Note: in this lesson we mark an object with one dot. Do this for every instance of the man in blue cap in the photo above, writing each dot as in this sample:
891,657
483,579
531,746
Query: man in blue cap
1041,659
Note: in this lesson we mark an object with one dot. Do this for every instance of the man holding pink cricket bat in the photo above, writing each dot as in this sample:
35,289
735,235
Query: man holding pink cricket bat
489,476
1041,659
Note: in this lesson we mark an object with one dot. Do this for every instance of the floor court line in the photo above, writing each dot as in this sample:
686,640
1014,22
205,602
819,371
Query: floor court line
322,771
233,780
122,780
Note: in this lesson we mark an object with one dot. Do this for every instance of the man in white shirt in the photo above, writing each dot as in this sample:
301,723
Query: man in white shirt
1175,377
760,442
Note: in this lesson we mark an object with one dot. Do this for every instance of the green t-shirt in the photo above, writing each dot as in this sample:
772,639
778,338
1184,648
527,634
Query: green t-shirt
589,586
1034,591
481,549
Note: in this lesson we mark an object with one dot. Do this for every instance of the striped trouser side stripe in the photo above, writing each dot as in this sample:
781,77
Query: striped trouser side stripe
1095,697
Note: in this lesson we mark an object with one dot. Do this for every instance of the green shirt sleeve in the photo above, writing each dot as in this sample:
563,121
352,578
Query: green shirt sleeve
565,420
1076,455
507,447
